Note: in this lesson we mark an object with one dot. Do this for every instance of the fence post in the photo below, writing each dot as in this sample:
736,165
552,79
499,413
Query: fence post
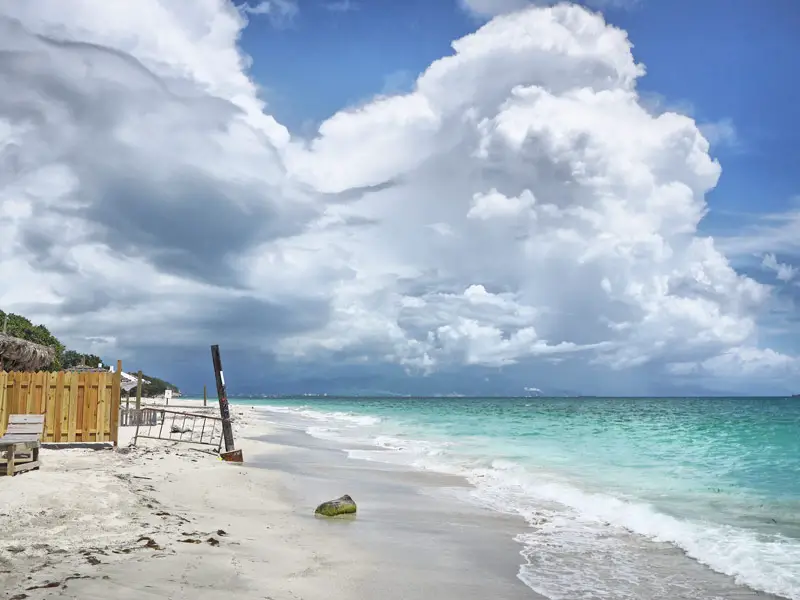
116,401
138,396
227,431
5,327
205,397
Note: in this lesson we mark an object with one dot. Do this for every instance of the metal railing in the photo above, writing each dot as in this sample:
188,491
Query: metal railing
177,426
128,417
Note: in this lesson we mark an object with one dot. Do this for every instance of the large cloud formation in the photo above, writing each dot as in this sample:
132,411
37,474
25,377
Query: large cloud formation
519,210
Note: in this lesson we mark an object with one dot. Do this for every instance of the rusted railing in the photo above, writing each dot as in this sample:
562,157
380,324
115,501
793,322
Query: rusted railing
177,426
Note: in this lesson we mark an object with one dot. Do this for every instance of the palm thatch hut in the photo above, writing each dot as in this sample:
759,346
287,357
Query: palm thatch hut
21,355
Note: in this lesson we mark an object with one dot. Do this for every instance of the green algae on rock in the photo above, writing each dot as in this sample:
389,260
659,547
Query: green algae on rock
341,506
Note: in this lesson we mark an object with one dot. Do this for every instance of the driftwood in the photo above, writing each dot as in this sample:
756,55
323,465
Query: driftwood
341,506
21,355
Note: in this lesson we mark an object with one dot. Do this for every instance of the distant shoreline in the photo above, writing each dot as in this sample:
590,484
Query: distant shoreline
449,397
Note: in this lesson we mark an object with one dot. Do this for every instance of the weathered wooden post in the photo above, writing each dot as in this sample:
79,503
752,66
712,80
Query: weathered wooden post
139,391
138,414
5,328
205,397
116,403
230,454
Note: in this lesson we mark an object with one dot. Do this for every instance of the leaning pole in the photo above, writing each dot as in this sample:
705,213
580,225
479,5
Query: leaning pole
230,454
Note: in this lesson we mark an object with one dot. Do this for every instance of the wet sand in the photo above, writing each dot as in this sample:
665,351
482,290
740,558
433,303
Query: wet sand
423,542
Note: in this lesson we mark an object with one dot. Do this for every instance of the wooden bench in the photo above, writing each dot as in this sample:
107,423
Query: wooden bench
21,443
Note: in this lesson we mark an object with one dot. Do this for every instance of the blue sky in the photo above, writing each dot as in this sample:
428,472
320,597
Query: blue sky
532,212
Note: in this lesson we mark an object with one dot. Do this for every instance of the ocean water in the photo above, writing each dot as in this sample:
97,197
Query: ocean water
623,498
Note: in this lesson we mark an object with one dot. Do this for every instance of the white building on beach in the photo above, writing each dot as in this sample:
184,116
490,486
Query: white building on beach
128,381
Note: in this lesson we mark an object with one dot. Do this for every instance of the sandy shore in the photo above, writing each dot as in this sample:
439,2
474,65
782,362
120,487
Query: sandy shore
161,521
164,520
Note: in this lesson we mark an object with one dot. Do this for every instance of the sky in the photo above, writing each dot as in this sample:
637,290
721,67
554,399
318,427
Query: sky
460,197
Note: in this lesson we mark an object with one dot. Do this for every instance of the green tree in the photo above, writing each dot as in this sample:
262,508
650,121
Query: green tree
157,386
70,358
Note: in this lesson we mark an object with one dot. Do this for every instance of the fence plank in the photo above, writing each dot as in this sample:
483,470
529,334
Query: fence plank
34,394
94,406
50,414
58,401
39,393
19,395
65,404
30,397
16,397
72,434
81,431
103,412
103,417
3,403
66,409
89,407
45,383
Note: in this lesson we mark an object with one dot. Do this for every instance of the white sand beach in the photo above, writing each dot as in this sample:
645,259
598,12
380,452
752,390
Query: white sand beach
164,520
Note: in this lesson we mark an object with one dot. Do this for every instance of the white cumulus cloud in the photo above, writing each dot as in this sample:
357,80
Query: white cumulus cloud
720,132
534,118
279,12
783,272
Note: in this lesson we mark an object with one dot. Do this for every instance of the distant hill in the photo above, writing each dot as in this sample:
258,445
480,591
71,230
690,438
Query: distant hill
156,387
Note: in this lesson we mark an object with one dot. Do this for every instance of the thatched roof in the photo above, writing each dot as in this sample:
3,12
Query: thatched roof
21,355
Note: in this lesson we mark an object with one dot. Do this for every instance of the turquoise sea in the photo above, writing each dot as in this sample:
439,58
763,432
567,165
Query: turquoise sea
619,494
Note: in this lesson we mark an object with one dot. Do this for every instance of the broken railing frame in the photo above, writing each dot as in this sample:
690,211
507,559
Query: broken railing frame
207,432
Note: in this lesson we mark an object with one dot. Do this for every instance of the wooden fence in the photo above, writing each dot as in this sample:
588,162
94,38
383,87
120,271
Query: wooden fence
78,407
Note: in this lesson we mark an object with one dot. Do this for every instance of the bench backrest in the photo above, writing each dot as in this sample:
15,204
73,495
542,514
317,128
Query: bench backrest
25,424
